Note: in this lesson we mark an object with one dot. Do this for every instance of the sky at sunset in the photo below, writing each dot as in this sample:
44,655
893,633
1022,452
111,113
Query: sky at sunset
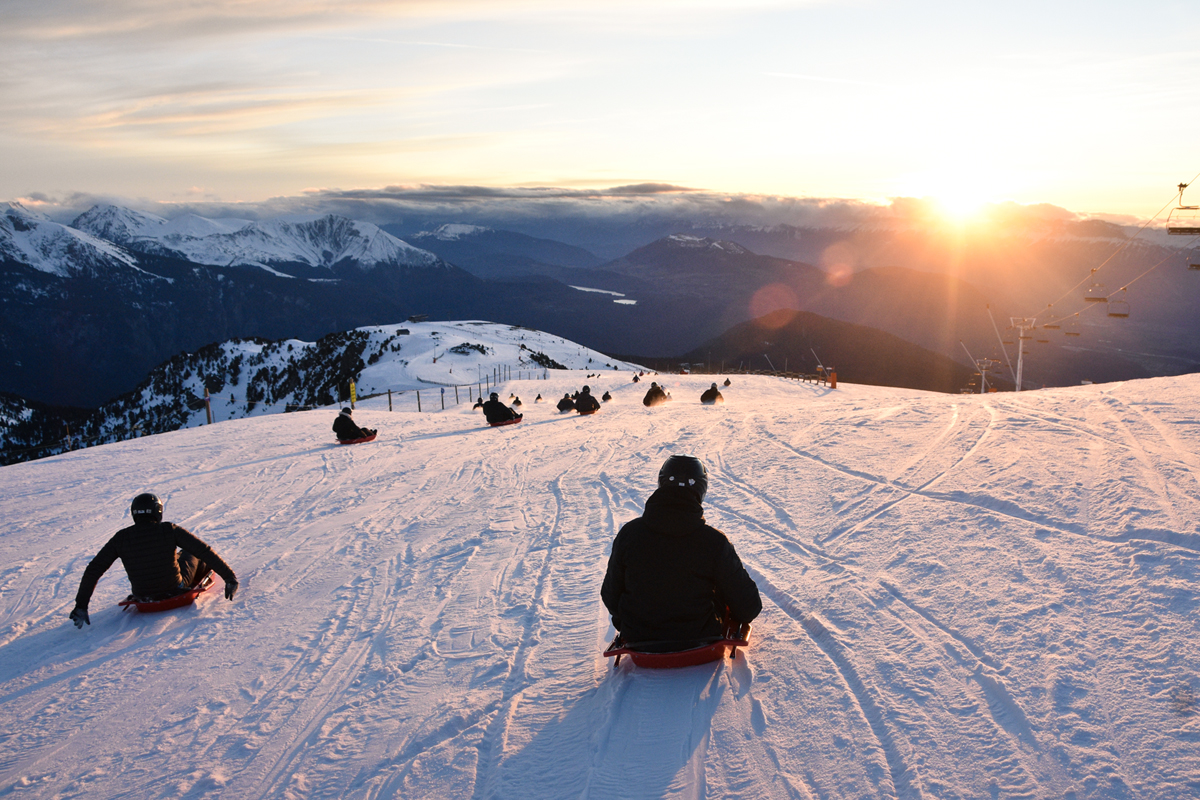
1088,106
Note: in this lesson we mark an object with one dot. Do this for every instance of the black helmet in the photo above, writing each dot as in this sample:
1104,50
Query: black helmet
146,508
713,386
685,471
347,412
493,396
587,390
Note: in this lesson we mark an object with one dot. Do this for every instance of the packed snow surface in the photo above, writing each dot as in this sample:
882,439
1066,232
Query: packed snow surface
964,596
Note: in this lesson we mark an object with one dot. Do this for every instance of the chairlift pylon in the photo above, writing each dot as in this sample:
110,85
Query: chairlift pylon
1184,220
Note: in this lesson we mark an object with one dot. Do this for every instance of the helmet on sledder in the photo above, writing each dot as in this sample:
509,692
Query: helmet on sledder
685,471
146,508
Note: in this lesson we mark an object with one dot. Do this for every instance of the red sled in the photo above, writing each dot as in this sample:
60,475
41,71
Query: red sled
359,440
588,413
734,636
178,601
504,422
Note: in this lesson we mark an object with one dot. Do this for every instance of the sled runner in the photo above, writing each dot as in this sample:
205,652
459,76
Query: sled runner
504,422
180,600
360,440
734,636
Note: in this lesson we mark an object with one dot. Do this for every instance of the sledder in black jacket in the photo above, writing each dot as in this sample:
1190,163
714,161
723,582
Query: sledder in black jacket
585,403
671,578
345,428
495,411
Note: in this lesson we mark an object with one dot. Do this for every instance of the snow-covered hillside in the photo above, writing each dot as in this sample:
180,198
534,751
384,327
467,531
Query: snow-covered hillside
315,241
964,596
252,377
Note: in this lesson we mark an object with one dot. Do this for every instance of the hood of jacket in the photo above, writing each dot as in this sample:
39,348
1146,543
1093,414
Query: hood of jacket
673,510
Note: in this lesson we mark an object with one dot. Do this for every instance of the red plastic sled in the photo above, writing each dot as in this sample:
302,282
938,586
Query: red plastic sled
588,413
731,637
178,601
360,440
504,422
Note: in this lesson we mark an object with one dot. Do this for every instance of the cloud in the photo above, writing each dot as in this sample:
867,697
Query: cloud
645,204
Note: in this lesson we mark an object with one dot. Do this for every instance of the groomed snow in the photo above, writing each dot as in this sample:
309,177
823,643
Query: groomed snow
973,597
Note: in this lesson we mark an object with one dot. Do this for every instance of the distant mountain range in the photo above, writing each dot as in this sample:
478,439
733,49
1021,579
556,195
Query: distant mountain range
91,307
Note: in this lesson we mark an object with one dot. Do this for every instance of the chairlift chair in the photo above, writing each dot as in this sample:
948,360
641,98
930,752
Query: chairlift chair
1184,220
1194,260
1071,328
1119,308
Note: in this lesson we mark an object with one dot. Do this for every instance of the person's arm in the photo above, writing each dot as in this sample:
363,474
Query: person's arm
95,568
614,583
736,586
190,543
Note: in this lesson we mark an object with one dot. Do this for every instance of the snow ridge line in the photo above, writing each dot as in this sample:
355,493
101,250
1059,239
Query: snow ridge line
1016,515
921,490
491,746
307,718
905,781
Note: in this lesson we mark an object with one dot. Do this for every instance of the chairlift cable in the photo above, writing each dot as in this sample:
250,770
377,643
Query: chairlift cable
1118,251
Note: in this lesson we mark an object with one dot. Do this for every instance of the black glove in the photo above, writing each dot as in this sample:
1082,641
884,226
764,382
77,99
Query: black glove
79,616
230,589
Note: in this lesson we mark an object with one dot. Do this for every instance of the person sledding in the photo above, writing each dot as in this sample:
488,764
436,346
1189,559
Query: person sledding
655,396
606,397
727,383
674,582
585,403
496,412
566,404
162,560
347,430
712,396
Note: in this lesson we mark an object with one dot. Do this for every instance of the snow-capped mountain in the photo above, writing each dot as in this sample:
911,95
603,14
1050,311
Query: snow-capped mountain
32,239
321,242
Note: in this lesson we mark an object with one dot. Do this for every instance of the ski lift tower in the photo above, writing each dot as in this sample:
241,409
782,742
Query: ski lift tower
1024,327
985,365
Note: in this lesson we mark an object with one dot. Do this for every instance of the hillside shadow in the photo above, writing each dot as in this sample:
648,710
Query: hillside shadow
641,733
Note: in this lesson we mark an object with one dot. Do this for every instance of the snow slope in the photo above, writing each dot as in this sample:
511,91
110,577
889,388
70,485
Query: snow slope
974,597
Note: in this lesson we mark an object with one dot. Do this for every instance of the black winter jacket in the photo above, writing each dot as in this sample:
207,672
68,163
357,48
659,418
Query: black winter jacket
345,428
670,575
148,552
586,403
495,411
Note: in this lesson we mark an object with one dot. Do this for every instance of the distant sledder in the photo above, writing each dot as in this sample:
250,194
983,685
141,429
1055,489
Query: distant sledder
497,414
655,396
347,430
566,404
167,565
675,587
712,396
585,404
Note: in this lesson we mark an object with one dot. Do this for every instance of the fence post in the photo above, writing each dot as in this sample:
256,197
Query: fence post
443,398
455,395
418,399
389,399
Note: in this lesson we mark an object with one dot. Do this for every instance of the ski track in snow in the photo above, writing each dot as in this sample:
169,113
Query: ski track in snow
972,597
